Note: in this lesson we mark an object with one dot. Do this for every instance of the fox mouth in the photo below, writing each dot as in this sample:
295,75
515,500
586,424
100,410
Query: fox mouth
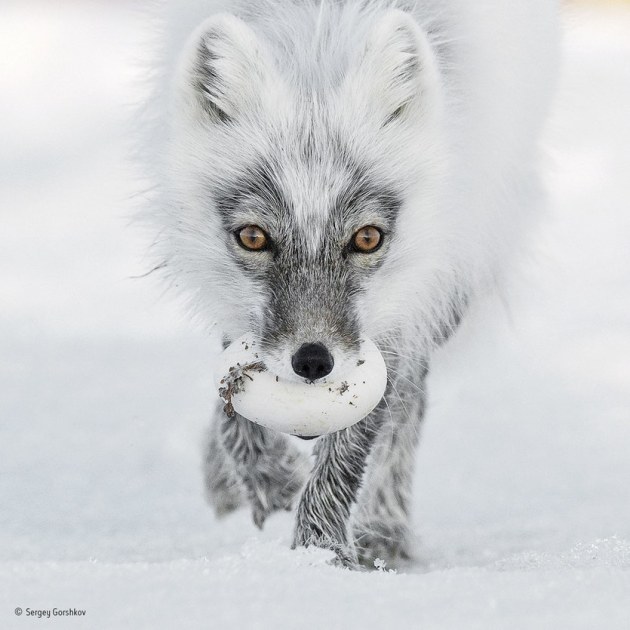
250,387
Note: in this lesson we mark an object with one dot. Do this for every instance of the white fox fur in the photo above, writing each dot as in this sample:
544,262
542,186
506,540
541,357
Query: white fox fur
497,62
439,103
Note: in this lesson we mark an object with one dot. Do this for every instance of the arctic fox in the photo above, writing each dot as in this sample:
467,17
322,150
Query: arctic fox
333,169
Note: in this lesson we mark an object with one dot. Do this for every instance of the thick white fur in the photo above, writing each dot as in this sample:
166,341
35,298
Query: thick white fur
463,150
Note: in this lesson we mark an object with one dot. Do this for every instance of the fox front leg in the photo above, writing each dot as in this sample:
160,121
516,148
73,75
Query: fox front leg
323,515
272,471
382,521
225,491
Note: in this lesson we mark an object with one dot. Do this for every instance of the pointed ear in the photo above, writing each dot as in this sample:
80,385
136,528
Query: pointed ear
397,73
226,68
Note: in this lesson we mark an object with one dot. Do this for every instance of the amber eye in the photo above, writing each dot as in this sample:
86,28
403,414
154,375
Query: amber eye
253,238
367,240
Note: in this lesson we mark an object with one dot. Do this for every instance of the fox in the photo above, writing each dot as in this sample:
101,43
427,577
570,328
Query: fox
329,170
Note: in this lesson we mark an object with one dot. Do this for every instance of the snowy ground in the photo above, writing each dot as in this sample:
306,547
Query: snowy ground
523,485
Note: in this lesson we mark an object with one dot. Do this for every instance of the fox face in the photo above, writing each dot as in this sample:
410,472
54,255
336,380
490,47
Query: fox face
310,257
297,188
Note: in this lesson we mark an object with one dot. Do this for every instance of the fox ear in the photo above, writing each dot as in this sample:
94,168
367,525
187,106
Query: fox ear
227,67
397,72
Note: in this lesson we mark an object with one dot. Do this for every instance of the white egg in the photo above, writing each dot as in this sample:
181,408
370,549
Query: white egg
299,408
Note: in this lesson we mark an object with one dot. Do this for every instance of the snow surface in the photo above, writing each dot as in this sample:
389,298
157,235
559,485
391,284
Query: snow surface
522,495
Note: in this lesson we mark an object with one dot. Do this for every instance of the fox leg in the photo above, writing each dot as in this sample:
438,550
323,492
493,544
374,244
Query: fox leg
357,500
247,461
225,491
323,515
381,522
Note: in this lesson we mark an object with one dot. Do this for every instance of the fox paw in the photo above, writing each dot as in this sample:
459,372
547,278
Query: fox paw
267,496
310,530
274,483
345,554
392,545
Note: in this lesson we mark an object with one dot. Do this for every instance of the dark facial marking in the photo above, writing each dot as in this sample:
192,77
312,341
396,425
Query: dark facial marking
256,185
311,294
363,192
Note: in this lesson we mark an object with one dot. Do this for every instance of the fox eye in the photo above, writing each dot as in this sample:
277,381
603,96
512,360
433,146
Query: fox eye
253,238
367,240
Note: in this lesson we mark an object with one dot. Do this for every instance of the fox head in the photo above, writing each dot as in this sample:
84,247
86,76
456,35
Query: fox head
305,167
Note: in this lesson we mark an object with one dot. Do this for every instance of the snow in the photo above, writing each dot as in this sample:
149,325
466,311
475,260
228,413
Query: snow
522,495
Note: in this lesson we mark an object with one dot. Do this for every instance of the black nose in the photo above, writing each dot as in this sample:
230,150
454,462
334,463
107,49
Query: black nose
312,361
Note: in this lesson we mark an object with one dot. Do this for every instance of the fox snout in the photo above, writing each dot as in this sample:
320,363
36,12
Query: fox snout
312,361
